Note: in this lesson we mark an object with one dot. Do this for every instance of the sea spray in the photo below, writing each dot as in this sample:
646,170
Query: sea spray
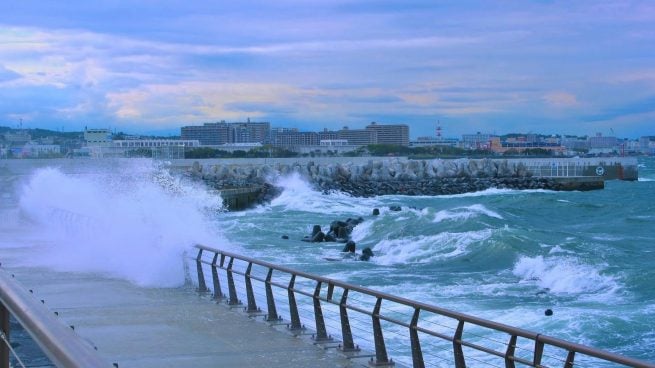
564,275
132,222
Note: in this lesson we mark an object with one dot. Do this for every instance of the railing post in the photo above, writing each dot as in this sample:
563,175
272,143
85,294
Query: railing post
250,295
321,331
417,354
509,353
218,293
293,307
569,359
234,299
346,332
457,346
4,325
202,287
538,352
381,358
270,300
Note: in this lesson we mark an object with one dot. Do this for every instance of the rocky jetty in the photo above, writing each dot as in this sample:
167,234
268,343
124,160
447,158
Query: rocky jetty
387,176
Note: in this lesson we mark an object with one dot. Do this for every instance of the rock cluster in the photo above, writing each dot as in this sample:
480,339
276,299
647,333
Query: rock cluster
339,232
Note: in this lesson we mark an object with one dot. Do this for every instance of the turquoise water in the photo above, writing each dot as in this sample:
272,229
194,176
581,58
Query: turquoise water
500,254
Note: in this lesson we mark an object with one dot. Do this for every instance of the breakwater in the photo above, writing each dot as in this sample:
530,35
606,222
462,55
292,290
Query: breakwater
364,177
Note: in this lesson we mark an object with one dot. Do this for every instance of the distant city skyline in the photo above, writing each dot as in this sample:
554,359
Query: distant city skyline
544,67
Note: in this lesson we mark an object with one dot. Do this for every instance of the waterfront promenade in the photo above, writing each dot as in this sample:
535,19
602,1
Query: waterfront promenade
174,327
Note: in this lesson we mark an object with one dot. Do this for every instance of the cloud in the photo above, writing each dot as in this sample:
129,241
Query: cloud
561,99
329,62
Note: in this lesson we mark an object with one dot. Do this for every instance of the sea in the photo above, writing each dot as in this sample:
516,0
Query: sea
504,255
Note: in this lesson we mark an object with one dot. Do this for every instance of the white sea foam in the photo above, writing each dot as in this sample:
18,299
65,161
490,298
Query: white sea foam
465,213
133,222
564,275
298,195
423,249
495,192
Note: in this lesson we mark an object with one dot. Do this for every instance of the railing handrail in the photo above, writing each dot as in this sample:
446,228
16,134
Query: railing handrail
60,343
461,317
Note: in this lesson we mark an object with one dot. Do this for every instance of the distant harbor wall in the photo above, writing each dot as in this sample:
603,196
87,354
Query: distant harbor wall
370,176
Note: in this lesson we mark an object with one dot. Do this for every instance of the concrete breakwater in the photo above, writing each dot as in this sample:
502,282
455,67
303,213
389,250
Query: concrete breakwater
381,176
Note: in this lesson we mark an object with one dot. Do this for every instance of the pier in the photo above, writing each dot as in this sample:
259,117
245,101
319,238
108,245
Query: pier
151,327
245,312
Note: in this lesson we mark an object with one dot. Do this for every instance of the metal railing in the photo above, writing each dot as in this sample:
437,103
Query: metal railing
58,342
421,334
557,169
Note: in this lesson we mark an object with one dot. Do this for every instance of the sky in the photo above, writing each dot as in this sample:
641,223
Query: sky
507,66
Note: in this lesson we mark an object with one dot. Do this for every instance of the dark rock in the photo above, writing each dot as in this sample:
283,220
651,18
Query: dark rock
318,237
548,312
367,253
285,236
350,247
395,208
316,229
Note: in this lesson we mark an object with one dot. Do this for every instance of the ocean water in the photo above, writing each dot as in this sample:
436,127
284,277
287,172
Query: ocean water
504,255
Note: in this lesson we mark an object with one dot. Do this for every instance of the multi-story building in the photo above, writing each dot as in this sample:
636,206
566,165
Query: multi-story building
294,137
575,143
327,135
97,137
214,134
208,134
521,145
155,143
250,132
647,145
602,142
477,141
358,137
33,149
397,134
432,141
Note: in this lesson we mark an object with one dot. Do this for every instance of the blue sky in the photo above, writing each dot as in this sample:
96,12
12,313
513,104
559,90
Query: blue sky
565,67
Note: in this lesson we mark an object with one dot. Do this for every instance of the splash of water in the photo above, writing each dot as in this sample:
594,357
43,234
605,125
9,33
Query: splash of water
132,222
563,275
465,213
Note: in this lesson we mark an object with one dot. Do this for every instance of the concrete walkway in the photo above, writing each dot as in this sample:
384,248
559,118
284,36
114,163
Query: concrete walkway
146,327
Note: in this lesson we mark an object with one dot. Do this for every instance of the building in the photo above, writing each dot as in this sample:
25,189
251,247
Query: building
647,145
208,134
327,135
432,141
97,137
249,132
575,143
521,145
215,134
294,137
155,143
333,142
397,134
602,142
17,138
358,137
477,141
32,149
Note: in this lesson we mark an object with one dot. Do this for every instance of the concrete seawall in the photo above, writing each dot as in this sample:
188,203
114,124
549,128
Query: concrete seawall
370,176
